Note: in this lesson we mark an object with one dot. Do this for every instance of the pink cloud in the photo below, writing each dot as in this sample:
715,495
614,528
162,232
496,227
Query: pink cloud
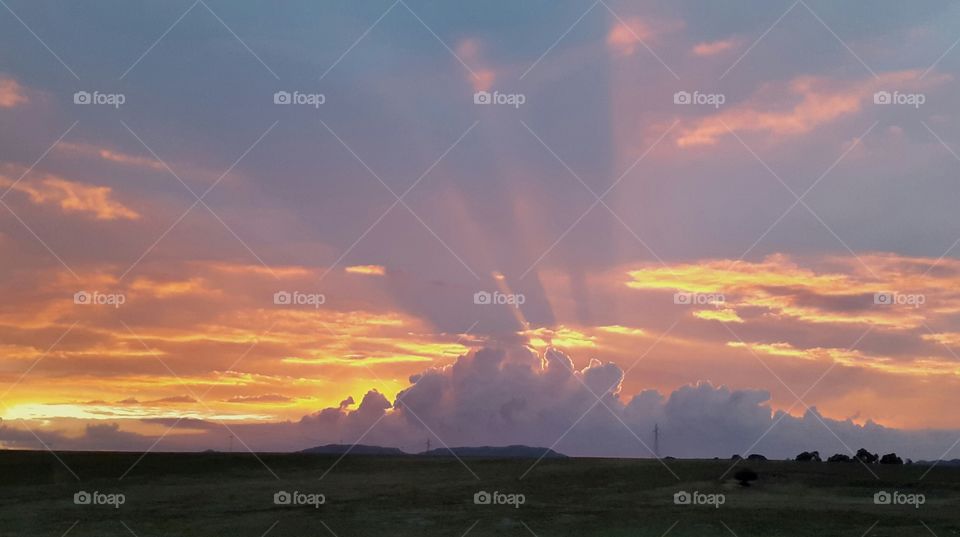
470,51
631,32
624,37
12,94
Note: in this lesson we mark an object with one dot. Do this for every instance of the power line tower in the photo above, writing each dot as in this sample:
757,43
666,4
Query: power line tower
656,440
428,445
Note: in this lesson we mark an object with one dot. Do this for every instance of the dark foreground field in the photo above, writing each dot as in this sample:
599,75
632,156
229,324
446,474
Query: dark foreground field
222,495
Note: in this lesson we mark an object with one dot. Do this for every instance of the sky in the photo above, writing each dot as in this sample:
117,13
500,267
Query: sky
511,222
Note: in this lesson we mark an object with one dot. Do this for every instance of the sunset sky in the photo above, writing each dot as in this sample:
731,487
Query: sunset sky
788,243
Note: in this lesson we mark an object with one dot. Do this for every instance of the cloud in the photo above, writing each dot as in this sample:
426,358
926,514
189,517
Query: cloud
827,291
722,314
797,107
626,35
514,395
483,76
12,94
264,398
164,289
630,33
713,48
110,155
72,197
368,270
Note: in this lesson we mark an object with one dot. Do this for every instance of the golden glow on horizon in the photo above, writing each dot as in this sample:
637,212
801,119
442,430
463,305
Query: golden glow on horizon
263,362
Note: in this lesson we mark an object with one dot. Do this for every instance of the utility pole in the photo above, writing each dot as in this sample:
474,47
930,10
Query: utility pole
656,440
428,445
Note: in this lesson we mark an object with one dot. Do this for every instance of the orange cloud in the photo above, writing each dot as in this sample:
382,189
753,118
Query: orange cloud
260,270
563,337
812,102
110,155
854,358
12,93
367,270
830,291
73,197
163,289
713,48
723,315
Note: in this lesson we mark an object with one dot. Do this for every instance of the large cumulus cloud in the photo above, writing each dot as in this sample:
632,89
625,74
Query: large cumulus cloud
513,395
508,396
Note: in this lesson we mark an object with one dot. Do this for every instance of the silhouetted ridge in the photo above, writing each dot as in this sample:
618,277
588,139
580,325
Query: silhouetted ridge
358,449
497,452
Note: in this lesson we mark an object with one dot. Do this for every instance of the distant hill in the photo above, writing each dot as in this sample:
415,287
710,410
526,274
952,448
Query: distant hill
497,452
358,449
951,462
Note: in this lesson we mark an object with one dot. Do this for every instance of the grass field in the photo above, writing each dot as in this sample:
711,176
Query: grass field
232,495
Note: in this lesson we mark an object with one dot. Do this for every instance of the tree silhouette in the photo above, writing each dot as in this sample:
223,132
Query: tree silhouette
866,456
891,458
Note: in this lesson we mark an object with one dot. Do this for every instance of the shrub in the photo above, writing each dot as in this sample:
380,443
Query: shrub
745,476
839,457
